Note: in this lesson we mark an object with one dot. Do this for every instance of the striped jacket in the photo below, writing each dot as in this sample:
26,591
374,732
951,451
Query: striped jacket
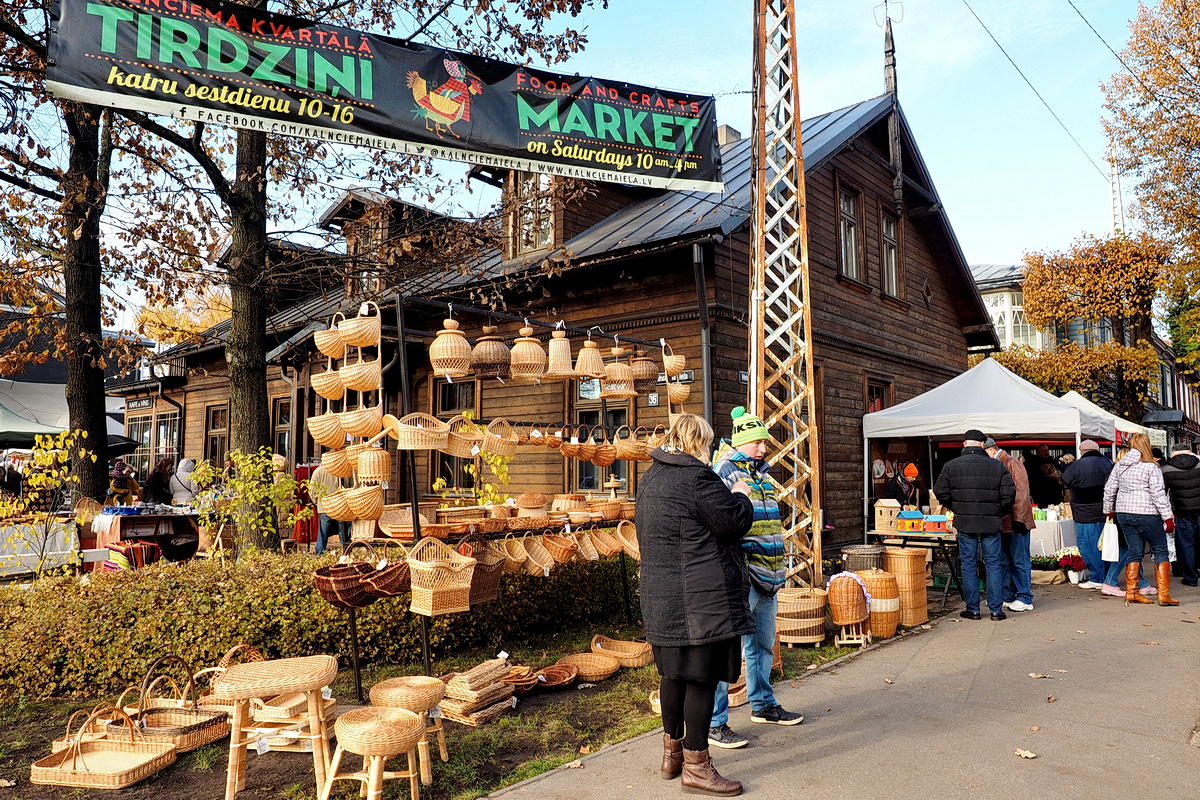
763,543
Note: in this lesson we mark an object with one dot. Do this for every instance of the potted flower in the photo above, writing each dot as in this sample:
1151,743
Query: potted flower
1046,571
1073,564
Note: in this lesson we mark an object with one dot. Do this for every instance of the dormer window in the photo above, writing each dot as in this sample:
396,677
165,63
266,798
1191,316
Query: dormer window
368,242
534,213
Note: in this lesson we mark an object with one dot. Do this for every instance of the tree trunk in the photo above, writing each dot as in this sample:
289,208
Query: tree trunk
82,207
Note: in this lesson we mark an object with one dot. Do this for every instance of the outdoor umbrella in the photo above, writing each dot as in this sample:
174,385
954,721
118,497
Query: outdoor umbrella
121,445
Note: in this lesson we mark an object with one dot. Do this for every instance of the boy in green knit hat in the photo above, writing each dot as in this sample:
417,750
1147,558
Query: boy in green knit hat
744,459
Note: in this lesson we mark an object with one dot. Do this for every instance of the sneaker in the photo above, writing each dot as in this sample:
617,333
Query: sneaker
1147,590
1019,606
1114,591
725,737
1090,585
776,715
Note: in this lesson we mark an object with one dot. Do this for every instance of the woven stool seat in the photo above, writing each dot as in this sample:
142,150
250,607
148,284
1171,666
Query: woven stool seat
271,678
373,731
415,693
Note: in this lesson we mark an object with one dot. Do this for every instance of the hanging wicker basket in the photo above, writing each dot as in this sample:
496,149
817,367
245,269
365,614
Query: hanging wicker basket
499,439
587,447
393,578
553,438
361,331
464,439
362,376
421,432
326,429
366,502
657,437
337,463
514,554
561,548
569,446
630,447
342,585
489,566
337,506
528,360
374,465
328,384
441,579
366,421
538,560
450,352
490,356
627,535
606,451
605,544
589,363
672,364
587,551
617,383
559,367
678,392
645,373
329,342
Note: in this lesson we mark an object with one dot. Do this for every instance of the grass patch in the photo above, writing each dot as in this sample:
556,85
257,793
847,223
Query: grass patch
206,757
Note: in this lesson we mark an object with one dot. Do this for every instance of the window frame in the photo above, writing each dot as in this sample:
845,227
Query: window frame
216,459
856,194
277,428
540,210
443,464
141,429
888,385
898,242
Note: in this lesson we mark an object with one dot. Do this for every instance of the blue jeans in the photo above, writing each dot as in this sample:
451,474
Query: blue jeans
1018,568
1087,535
1140,530
327,526
1185,547
759,652
1116,570
968,554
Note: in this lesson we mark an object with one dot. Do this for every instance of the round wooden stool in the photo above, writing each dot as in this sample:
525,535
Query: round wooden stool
419,695
376,734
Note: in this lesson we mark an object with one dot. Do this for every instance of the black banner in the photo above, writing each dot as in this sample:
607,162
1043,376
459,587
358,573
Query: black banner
227,64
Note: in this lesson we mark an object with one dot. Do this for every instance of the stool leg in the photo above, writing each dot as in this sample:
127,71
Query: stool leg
375,779
368,764
235,777
441,732
327,787
412,775
316,723
426,767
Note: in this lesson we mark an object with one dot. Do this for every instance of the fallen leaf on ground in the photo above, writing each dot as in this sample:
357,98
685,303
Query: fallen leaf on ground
1188,621
1147,624
961,689
1072,652
811,666
1051,699
585,749
1081,631
795,686
1035,728
926,627
1038,675
1063,671
7,784
1025,753
575,765
888,681
1154,644
1051,640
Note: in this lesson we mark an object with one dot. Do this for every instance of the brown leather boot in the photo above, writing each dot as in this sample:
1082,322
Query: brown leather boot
672,757
701,777
1133,576
1163,573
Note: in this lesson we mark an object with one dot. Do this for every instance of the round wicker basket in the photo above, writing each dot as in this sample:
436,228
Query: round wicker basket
605,544
587,447
361,331
490,356
528,359
561,548
645,373
589,363
559,367
846,601
800,618
593,667
450,352
678,392
374,465
885,602
514,554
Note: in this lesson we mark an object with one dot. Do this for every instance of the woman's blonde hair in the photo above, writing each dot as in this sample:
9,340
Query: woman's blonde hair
690,434
1141,443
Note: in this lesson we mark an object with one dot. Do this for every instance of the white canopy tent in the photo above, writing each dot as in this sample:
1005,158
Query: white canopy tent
1158,437
988,397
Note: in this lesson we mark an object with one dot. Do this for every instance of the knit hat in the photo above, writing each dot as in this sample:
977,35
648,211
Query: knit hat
910,470
747,428
974,435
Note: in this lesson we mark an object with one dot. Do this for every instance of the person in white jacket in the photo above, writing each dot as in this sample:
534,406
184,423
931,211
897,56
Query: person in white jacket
1134,492
183,488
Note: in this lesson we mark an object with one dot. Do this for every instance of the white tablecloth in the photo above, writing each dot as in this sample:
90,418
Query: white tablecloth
24,544
1048,537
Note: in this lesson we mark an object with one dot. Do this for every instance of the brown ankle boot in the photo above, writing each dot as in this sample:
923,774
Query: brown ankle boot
1133,576
1163,573
672,757
701,777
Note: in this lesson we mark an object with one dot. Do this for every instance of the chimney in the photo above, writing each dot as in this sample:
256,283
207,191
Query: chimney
727,135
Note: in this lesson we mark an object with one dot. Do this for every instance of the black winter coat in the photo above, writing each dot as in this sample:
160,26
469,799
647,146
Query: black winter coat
978,489
1086,478
695,587
1182,478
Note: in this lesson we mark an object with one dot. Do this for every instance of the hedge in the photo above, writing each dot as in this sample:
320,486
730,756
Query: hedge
66,636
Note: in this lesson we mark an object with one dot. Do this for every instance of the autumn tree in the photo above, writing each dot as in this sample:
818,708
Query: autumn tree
173,323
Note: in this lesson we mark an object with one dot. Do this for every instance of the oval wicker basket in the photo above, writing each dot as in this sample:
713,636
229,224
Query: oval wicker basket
363,421
629,654
587,447
527,359
538,560
560,547
342,584
326,429
366,501
678,392
672,364
520,523
626,534
421,432
846,601
337,505
657,437
606,451
605,544
328,384
337,463
462,439
645,373
391,581
587,550
450,352
885,602
489,565
490,356
499,439
609,509
629,448
514,554
569,447
593,667
374,465
361,331
329,342
800,618
579,516
362,376
553,439
556,676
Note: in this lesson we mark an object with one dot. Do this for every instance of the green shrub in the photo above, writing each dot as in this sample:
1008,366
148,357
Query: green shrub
65,636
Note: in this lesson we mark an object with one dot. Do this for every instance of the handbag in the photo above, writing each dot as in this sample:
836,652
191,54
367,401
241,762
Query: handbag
1171,554
1110,545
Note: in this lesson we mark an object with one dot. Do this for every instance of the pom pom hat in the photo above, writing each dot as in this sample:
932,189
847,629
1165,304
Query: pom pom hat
747,428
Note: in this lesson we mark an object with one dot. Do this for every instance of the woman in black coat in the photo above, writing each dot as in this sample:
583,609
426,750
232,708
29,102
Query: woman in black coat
694,593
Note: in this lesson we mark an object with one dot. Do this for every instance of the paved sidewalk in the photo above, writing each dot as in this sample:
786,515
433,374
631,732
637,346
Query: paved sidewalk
960,703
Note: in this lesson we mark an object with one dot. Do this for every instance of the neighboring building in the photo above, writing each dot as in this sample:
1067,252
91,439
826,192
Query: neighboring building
894,310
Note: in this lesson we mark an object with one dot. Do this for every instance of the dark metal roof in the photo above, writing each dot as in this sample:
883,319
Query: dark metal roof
991,276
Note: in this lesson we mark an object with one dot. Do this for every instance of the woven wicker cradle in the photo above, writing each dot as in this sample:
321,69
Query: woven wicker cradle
846,601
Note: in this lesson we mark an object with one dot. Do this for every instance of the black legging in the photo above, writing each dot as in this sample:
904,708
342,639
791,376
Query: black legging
687,709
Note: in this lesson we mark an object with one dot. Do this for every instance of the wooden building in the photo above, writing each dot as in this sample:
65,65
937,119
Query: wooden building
895,311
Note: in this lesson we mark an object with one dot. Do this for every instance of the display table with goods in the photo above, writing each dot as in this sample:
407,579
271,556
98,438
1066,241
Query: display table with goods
932,532
175,532
1051,535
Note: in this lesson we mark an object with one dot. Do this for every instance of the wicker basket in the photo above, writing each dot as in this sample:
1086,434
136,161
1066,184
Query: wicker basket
490,357
561,548
907,565
885,602
645,373
489,565
421,432
535,435
514,554
657,437
858,557
556,676
441,579
527,360
520,523
361,331
846,601
605,544
587,447
568,502
626,534
91,729
328,384
606,451
362,376
589,363
593,667
374,466
187,728
107,763
672,364
569,447
553,438
394,579
326,429
800,618
538,560
629,448
608,510
366,502
617,383
678,392
499,439
464,439
587,551
337,463
342,585
450,352
364,421
337,506
629,654
329,342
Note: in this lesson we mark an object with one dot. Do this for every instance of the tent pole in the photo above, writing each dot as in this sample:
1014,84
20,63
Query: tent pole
1077,442
866,486
929,444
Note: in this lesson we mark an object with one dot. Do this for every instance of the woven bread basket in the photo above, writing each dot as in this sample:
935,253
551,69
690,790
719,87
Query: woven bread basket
560,547
450,352
627,536
499,439
589,363
366,501
421,432
363,421
490,356
328,384
464,439
672,364
337,463
629,654
587,551
329,342
605,544
362,376
527,360
593,667
326,429
361,331
538,560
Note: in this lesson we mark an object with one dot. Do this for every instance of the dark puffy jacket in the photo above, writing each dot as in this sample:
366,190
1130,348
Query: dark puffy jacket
1182,478
978,489
1086,478
694,585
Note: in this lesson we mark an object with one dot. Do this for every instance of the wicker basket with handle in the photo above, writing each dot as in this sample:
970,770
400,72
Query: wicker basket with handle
337,463
489,565
678,392
393,578
187,728
362,376
421,432
361,331
672,364
374,465
366,501
499,439
363,421
108,763
629,447
329,342
514,554
464,439
606,451
441,579
337,506
587,550
538,560
342,585
326,429
328,384
587,447
629,654
569,446
560,547
645,373
605,544
553,438
593,667
627,536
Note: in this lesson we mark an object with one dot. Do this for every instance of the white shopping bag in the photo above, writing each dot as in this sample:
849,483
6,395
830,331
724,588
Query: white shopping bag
1110,546
1171,546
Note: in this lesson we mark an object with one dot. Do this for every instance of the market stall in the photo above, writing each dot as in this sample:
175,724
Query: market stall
1123,427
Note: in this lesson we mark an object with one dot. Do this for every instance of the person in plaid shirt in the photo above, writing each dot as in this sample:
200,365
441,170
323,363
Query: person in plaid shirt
1135,493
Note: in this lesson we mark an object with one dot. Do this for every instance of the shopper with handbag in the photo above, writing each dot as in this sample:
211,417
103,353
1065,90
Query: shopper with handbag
1135,493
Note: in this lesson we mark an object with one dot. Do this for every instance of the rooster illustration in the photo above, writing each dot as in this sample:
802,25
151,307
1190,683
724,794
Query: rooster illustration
448,103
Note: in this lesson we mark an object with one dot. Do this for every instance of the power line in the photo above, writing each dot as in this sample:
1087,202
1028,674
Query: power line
1036,92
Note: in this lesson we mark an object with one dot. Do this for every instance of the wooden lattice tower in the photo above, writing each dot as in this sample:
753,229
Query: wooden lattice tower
781,369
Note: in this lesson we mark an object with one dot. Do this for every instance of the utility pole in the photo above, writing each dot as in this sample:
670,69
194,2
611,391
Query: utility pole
781,368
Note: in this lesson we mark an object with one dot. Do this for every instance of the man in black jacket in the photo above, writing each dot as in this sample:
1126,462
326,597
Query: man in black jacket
980,491
1182,478
1086,478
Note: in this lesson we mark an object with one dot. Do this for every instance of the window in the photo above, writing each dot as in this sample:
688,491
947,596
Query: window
1000,320
141,430
367,256
216,434
889,255
878,395
589,477
450,400
849,229
1024,334
281,424
534,229
166,437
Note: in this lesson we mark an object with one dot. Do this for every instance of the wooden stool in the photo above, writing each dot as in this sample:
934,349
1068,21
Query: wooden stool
376,734
419,695
263,679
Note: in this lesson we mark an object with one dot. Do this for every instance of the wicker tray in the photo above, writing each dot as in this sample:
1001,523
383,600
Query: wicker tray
467,685
103,763
556,676
629,654
479,717
485,697
593,667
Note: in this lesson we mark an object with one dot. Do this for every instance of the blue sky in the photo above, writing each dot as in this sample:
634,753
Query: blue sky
1010,178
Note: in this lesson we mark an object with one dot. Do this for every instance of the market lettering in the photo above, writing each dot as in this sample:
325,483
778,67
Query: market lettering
180,42
608,122
577,153
145,82
239,97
